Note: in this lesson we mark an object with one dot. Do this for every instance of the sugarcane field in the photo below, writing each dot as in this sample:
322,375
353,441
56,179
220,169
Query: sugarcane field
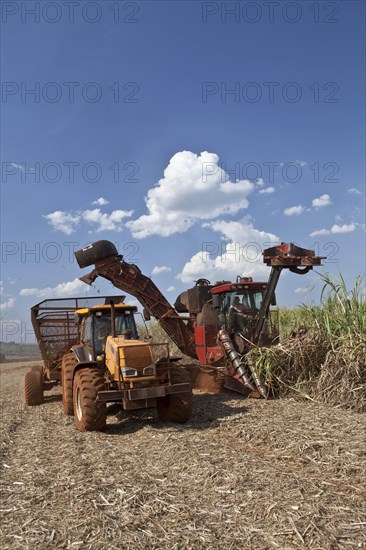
286,472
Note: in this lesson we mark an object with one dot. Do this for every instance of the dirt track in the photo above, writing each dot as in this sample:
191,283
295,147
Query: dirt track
241,474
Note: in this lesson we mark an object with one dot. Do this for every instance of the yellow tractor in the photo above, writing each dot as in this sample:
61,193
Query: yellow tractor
106,362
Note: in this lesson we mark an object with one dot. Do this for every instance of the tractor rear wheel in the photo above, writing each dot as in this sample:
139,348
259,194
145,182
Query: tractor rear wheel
89,414
176,407
33,388
67,374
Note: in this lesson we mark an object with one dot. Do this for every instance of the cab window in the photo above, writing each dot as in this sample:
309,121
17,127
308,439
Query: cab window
126,322
88,332
257,299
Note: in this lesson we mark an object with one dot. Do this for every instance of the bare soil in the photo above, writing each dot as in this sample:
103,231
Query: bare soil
241,474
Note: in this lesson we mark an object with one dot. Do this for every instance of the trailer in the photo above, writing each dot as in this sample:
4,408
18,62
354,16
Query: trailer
56,331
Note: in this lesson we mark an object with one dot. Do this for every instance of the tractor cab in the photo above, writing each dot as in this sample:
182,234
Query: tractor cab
109,337
97,323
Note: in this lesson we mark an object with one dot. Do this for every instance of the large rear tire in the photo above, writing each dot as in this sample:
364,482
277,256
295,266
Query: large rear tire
89,414
33,388
176,407
67,374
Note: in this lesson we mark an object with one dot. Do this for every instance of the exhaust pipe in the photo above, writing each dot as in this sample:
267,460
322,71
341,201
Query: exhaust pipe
113,319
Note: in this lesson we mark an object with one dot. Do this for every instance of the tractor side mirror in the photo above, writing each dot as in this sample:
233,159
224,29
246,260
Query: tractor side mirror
273,300
146,314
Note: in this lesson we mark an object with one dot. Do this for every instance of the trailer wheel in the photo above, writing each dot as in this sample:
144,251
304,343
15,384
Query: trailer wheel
89,414
176,407
37,368
40,369
33,388
67,374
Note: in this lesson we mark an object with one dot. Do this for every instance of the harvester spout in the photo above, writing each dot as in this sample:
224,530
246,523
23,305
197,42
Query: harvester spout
128,277
89,278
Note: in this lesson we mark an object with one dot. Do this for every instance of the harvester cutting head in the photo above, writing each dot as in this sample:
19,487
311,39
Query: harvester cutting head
291,256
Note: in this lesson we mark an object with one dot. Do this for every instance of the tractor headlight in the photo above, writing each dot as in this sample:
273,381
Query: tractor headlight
150,370
128,373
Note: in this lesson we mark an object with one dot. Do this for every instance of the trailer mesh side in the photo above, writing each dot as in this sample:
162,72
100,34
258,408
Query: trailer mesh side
55,325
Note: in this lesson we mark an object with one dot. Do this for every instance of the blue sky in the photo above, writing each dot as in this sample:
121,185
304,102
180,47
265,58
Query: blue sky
190,136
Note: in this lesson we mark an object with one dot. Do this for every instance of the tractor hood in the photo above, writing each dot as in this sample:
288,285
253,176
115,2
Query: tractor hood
121,352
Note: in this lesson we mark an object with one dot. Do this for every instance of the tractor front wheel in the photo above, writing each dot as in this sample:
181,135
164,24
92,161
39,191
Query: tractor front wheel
89,414
176,407
33,388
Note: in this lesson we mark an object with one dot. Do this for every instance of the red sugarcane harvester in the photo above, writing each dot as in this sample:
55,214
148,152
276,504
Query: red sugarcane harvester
222,321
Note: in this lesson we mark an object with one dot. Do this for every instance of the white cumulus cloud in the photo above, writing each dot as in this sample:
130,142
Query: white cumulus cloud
170,288
100,202
160,269
9,303
70,288
240,254
294,210
336,228
354,191
323,200
319,232
267,190
63,221
302,290
67,221
345,228
193,188
106,222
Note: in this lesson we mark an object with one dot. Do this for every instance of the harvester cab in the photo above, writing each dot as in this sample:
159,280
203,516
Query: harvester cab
238,305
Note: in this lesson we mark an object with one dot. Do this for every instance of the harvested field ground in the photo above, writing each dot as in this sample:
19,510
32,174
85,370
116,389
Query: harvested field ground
241,474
